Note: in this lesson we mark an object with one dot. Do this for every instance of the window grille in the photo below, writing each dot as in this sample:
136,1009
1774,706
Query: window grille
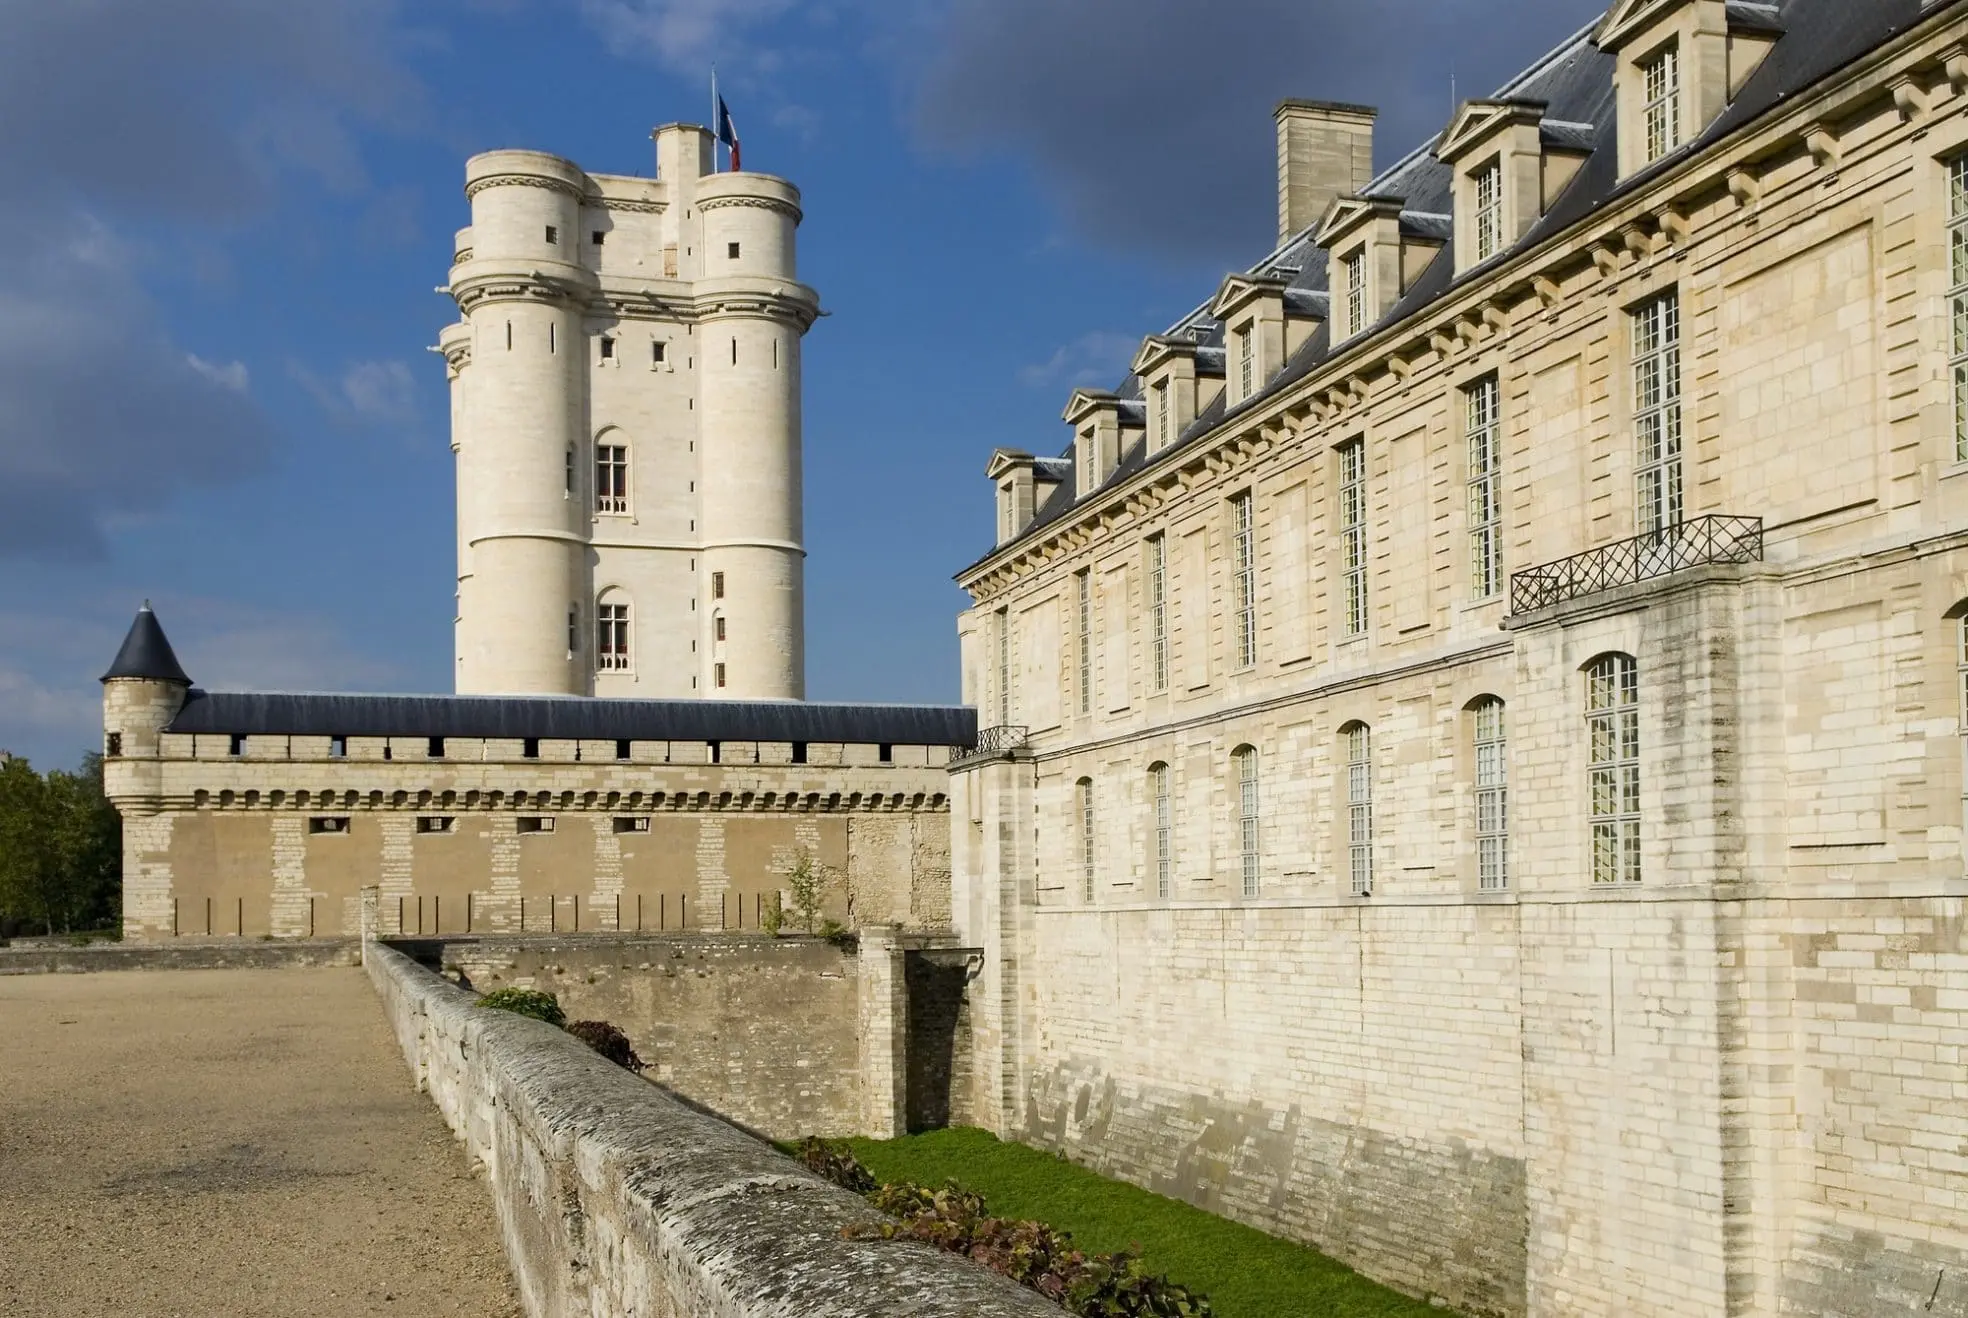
1158,611
611,478
1662,111
1004,667
1613,722
1084,584
1245,543
1489,210
1492,798
1356,293
1246,364
1958,299
1657,412
1353,533
1158,782
1247,818
1086,840
1359,808
612,637
1485,491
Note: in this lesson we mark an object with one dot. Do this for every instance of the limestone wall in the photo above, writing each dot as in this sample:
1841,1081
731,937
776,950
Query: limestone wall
616,1200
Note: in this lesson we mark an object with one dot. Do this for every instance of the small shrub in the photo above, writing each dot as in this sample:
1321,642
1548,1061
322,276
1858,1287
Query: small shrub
834,1162
808,883
774,918
1030,1253
539,1005
609,1042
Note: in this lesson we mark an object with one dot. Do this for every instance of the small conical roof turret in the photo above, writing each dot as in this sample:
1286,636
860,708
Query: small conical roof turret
146,653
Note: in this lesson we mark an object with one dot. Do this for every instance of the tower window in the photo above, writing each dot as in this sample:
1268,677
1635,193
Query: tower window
717,585
553,235
716,749
236,746
734,351
720,676
717,627
553,338
623,749
658,352
885,753
612,637
599,237
611,478
573,631
337,747
731,251
567,473
530,748
607,348
113,745
799,752
435,750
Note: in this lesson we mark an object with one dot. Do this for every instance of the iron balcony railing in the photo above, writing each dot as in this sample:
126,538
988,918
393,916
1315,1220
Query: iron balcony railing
992,741
1690,544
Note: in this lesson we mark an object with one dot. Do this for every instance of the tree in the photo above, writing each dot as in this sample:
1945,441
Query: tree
808,882
61,848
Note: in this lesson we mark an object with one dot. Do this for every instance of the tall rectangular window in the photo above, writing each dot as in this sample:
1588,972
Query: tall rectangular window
717,585
1958,299
611,478
1164,435
1489,210
1661,111
1353,535
1246,364
1485,490
1247,819
1356,293
573,631
1492,798
612,637
1083,583
1244,543
1359,808
1657,412
1087,842
1004,667
1158,665
1612,705
1158,786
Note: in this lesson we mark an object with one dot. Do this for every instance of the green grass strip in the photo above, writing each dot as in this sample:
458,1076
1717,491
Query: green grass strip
1245,1273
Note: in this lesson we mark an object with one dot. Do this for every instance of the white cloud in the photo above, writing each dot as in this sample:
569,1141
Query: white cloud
1099,358
231,376
380,393
686,36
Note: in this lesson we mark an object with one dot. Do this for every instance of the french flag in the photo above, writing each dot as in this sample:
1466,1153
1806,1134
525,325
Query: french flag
727,133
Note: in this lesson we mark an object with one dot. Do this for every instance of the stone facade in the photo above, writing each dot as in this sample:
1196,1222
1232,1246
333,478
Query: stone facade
625,410
1556,936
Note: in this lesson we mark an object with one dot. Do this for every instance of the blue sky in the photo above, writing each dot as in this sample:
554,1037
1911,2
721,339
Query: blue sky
225,218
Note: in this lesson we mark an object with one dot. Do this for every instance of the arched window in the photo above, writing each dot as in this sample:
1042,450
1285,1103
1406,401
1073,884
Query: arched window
1612,710
1247,816
1358,739
1085,794
1492,795
611,474
612,633
1164,807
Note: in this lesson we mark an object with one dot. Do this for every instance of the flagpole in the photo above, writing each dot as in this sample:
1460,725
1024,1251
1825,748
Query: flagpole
714,118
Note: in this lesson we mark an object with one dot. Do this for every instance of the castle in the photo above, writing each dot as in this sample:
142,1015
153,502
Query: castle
1471,773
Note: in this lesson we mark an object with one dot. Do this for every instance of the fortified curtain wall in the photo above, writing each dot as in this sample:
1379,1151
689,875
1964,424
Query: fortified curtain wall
617,1200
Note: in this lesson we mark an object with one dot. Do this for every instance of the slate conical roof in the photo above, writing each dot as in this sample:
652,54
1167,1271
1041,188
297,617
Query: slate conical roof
146,653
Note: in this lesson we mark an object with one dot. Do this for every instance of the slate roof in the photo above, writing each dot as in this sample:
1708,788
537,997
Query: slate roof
147,653
571,718
1814,39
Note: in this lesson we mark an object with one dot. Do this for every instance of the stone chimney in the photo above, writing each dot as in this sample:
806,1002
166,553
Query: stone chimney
1325,151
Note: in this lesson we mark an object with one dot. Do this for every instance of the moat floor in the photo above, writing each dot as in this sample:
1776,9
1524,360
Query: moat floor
236,1142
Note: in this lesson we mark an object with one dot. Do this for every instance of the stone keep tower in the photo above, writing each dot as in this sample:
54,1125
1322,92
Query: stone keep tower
625,410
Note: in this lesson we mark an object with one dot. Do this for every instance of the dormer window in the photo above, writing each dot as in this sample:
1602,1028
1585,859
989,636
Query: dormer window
1246,363
1661,110
1354,270
1489,210
1163,435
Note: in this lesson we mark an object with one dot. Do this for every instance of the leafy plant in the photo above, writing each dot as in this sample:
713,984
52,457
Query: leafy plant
609,1041
774,918
539,1005
1030,1253
808,885
836,1164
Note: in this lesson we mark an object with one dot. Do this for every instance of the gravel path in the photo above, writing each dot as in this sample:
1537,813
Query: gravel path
227,1142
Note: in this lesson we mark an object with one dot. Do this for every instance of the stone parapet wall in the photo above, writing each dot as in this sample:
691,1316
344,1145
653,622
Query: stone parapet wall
615,1199
229,954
